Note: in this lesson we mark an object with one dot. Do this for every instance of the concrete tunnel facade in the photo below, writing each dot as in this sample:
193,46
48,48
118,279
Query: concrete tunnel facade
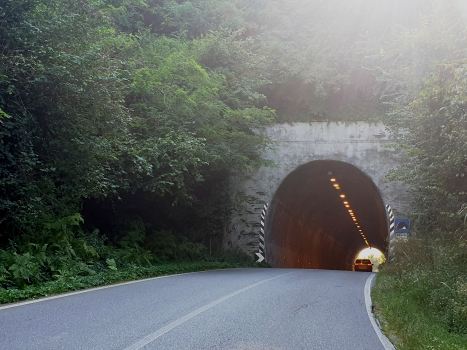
309,226
306,219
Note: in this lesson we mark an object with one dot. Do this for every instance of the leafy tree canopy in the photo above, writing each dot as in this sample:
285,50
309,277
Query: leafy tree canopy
120,105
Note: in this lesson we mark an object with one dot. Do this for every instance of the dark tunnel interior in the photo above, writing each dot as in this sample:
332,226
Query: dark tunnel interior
309,226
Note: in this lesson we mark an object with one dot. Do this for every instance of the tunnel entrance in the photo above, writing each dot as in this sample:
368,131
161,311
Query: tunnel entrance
323,214
375,255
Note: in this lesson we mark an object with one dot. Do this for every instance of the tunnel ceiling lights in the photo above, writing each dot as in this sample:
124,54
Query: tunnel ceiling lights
347,205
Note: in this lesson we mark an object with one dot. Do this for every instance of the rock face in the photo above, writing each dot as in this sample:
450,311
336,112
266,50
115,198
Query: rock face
310,149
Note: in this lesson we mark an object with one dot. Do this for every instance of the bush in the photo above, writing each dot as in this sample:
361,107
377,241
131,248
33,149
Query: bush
62,250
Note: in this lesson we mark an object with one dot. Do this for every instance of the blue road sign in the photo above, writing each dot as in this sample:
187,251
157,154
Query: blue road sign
402,225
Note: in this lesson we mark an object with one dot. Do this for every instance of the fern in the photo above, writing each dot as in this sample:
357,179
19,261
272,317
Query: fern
135,235
136,255
71,268
96,240
189,250
40,253
168,247
24,267
84,251
59,234
4,274
111,264
163,244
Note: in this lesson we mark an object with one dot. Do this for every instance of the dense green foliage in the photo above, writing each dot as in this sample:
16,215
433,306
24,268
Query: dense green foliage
104,120
89,112
436,143
421,74
428,112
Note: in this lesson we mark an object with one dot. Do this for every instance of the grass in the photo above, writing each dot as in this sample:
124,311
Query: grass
420,297
102,278
409,325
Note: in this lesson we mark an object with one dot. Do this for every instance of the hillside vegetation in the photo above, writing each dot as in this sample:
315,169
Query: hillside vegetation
122,120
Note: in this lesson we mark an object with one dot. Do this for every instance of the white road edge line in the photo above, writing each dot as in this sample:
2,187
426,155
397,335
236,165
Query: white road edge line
153,336
385,341
22,303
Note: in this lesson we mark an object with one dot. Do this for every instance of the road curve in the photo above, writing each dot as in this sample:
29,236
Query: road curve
234,309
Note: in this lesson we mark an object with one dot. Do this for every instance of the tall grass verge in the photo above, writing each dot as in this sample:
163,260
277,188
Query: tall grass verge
420,295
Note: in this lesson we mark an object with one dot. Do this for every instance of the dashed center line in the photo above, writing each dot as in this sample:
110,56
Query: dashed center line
153,336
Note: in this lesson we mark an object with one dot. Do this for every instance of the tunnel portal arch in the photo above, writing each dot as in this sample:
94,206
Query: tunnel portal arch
308,224
366,147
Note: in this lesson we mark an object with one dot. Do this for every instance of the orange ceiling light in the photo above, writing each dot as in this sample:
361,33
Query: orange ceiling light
347,205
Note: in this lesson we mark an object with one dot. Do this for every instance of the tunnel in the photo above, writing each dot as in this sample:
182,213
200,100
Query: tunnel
322,215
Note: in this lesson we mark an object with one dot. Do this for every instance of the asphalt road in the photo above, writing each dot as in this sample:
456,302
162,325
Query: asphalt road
250,309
